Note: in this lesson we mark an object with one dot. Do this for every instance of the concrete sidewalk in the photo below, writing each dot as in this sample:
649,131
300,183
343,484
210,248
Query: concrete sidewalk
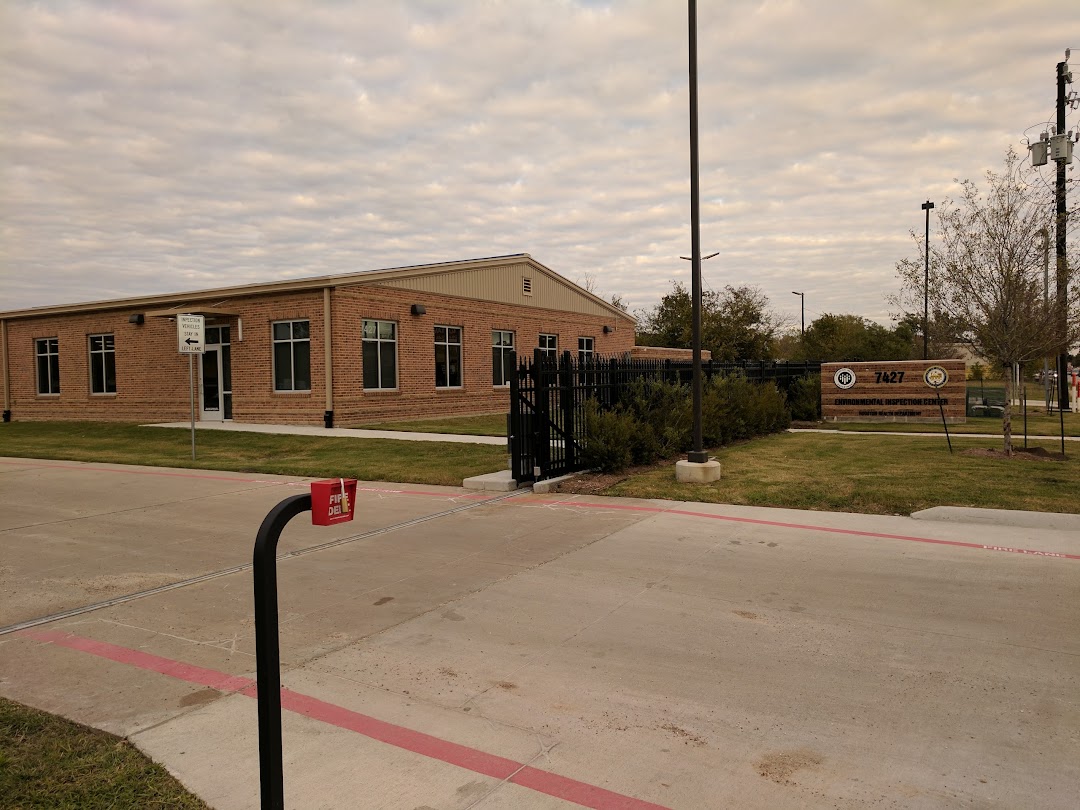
459,650
1017,436
343,433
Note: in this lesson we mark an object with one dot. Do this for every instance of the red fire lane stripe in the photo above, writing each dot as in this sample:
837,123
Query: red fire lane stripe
803,526
462,756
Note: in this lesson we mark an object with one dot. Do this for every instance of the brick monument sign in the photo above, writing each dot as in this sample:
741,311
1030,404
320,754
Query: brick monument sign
895,391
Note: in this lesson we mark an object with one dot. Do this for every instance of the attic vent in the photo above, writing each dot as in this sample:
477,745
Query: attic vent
526,286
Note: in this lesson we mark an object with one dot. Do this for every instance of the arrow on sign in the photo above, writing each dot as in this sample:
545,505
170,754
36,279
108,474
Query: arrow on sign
189,341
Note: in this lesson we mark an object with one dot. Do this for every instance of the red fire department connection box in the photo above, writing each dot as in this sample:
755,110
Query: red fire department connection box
332,501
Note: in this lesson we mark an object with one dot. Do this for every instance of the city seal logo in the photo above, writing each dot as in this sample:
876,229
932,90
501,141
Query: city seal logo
844,378
935,376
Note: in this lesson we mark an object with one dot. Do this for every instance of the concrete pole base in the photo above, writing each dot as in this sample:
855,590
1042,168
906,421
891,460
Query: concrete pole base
692,472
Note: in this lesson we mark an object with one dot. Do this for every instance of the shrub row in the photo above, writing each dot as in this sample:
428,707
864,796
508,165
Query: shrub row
654,420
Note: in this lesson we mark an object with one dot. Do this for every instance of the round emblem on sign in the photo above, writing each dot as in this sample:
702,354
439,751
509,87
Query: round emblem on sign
935,376
844,378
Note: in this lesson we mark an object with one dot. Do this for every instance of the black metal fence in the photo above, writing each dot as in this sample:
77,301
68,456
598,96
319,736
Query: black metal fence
546,424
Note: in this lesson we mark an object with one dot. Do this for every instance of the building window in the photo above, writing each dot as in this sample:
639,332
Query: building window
102,364
48,365
584,349
292,356
380,354
549,345
502,346
447,356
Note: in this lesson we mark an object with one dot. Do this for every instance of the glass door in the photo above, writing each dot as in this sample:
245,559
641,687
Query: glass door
215,391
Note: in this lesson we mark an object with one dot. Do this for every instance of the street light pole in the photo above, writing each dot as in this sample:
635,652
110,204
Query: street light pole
802,310
698,454
926,206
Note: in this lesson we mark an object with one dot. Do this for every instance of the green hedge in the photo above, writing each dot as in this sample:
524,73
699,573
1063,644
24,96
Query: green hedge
654,420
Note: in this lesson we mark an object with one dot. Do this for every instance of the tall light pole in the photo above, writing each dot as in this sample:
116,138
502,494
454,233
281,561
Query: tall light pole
927,207
698,454
802,310
1064,76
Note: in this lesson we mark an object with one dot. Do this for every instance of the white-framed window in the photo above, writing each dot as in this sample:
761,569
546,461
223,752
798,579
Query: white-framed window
502,347
584,349
549,345
448,357
292,355
48,365
102,364
379,354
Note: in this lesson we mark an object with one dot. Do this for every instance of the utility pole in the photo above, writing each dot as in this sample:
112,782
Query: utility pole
1045,234
802,311
1063,75
926,206
698,454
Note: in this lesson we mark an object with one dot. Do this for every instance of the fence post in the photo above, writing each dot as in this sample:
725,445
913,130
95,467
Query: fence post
513,418
566,405
542,421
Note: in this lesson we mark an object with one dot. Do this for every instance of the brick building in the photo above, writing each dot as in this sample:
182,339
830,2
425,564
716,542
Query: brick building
429,340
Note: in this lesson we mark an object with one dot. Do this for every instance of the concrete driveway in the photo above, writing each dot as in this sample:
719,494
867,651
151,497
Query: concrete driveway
460,650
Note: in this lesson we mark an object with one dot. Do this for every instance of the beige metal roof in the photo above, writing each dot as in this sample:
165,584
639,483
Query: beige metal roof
494,279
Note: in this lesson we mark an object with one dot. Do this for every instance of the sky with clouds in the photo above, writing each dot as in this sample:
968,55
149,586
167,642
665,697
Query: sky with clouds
154,146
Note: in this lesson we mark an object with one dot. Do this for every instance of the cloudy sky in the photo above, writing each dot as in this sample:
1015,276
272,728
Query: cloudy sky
164,145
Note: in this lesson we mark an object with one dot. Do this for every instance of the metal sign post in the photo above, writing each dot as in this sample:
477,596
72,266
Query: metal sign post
191,340
330,502
936,377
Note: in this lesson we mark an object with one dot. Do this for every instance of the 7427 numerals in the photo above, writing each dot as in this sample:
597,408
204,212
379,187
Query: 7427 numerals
888,376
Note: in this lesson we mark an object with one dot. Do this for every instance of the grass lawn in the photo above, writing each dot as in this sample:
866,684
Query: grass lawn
484,425
1039,424
49,762
365,459
869,474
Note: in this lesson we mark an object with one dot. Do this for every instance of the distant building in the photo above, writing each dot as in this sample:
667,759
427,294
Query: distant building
426,340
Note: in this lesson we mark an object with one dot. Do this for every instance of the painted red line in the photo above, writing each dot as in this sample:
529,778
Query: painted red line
136,658
162,473
805,527
462,756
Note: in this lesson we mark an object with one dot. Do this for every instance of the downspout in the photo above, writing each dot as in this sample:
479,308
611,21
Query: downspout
7,378
328,360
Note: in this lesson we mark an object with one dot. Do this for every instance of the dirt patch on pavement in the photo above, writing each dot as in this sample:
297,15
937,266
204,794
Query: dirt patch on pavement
781,765
127,583
687,737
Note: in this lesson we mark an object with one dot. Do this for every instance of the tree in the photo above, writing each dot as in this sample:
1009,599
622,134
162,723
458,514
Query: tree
986,276
850,338
736,324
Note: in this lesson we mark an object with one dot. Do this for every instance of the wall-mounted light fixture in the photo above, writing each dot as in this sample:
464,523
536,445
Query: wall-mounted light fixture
418,309
607,330
138,319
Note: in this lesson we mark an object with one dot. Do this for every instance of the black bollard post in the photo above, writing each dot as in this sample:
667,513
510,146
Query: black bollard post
267,652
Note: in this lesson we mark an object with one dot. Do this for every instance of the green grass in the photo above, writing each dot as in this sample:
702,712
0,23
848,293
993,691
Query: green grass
49,762
483,425
869,474
364,459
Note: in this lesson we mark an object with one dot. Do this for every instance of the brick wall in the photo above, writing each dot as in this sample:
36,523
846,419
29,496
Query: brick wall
152,377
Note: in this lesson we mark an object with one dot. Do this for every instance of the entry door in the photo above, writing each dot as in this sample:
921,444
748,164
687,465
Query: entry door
215,391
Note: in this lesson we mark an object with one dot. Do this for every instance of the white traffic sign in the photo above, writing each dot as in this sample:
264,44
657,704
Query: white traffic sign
190,334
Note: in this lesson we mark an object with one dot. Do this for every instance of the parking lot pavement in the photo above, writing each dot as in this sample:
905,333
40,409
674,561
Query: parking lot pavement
557,651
